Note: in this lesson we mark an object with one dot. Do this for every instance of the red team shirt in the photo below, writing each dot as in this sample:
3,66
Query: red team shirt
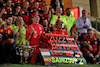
7,12
94,42
9,32
25,15
62,31
35,39
36,35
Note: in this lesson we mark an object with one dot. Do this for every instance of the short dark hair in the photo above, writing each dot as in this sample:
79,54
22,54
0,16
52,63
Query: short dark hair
8,16
67,8
84,10
45,5
89,30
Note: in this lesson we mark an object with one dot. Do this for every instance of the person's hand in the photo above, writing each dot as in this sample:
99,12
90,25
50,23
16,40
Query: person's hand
96,56
32,29
3,10
17,34
90,47
86,26
95,31
58,14
91,55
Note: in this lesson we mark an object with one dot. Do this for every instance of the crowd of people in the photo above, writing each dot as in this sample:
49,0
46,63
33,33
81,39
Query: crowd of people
28,20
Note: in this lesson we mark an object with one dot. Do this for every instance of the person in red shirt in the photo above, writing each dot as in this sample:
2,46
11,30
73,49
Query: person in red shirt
7,10
91,49
25,13
46,13
59,28
7,41
34,33
46,26
33,9
75,35
31,2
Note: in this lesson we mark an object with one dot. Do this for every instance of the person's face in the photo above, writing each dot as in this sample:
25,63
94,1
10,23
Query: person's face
68,12
36,5
45,23
59,10
90,34
52,10
19,20
26,5
74,30
59,26
9,20
23,1
46,8
9,2
84,14
36,19
18,9
31,1
14,19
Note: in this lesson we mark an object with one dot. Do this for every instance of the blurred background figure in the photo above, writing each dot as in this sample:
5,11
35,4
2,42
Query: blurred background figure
17,10
57,16
70,20
56,3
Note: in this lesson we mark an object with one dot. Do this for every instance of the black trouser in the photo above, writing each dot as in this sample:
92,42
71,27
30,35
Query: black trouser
81,36
90,59
1,52
7,52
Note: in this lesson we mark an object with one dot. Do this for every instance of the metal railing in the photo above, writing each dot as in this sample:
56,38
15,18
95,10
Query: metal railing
95,20
97,33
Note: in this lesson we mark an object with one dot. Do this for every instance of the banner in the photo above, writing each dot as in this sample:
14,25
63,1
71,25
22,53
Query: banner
64,51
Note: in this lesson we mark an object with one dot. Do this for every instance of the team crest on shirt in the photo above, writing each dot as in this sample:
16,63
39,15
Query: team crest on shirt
40,28
95,38
63,33
43,32
13,3
31,10
23,12
5,12
18,1
78,42
9,31
4,4
88,41
35,32
10,9
1,30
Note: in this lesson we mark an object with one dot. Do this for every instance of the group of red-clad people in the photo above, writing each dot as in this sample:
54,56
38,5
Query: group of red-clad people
29,20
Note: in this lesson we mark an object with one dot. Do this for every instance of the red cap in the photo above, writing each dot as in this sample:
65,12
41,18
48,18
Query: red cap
35,13
59,21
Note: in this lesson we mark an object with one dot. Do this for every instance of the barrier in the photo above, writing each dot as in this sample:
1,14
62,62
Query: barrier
64,51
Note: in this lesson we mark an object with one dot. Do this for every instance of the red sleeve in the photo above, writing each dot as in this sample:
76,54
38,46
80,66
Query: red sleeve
85,49
66,32
53,32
